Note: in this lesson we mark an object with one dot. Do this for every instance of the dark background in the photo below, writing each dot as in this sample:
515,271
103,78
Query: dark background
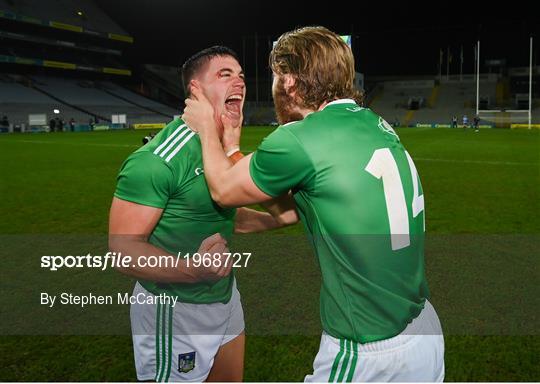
388,38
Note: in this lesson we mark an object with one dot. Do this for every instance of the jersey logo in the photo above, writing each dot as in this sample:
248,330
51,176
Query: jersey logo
186,362
386,128
355,109
198,171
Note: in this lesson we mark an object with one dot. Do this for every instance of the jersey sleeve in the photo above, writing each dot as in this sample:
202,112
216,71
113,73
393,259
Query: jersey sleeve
280,164
145,179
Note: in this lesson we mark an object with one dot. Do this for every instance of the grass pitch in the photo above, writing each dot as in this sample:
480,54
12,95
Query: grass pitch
482,193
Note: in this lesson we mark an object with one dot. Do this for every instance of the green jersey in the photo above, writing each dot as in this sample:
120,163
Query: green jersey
360,199
167,173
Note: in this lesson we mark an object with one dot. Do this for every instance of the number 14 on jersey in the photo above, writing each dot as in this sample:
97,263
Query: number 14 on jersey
382,165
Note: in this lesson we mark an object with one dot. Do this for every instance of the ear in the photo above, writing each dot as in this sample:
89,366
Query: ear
289,82
194,84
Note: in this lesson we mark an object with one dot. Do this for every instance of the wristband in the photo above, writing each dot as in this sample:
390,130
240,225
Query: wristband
232,151
236,156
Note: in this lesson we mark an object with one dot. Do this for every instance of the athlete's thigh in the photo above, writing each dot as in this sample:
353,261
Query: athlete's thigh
229,361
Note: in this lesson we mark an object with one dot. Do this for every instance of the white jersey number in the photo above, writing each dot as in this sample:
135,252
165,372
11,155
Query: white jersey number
383,165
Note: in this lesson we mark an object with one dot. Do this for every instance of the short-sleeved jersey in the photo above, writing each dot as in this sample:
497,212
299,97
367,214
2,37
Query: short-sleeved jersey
360,199
168,173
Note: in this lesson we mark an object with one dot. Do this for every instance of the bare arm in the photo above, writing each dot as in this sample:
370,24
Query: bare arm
283,209
131,224
250,220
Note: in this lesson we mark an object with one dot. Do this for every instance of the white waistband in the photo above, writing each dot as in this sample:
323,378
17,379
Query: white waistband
426,323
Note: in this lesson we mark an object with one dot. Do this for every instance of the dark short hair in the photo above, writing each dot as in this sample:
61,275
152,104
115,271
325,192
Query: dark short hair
192,65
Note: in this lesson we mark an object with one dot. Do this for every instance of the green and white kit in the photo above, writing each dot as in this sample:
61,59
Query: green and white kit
167,173
359,196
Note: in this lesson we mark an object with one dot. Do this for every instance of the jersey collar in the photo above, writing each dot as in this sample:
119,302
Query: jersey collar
340,101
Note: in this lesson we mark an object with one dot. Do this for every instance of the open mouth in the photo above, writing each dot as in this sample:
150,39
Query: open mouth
233,104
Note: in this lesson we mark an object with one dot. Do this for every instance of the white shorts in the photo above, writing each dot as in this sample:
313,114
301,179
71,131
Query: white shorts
179,343
416,354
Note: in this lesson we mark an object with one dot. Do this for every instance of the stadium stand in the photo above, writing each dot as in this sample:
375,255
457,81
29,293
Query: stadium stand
392,99
162,83
78,99
18,101
65,11
168,75
135,99
443,99
66,55
60,54
456,98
